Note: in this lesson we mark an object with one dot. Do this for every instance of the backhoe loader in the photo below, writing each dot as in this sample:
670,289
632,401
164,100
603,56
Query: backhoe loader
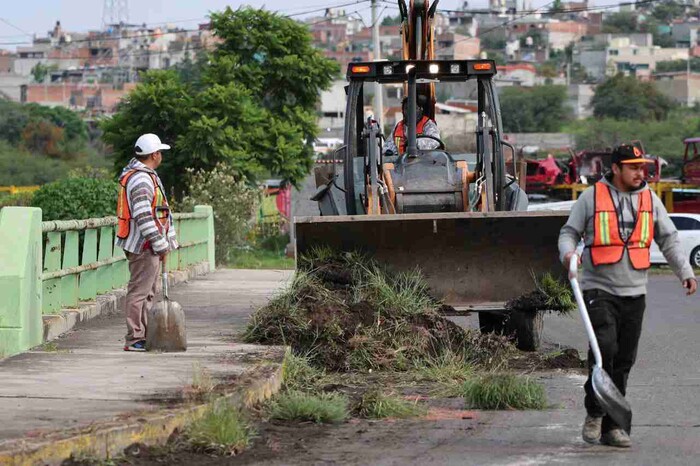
459,215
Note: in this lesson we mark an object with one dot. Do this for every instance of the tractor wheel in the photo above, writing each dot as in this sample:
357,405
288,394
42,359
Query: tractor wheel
492,323
527,327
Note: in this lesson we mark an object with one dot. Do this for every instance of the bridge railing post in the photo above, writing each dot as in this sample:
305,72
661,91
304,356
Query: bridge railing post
209,234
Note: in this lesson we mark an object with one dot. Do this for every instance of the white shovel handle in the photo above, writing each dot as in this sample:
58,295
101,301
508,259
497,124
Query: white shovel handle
573,272
164,277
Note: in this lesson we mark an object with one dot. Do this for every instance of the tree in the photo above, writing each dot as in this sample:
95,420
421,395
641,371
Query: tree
623,97
624,22
534,110
40,71
667,11
391,20
252,107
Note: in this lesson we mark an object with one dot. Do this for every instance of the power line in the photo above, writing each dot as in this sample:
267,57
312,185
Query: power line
326,8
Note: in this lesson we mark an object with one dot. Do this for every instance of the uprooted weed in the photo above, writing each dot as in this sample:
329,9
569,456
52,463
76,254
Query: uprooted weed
550,294
345,312
322,408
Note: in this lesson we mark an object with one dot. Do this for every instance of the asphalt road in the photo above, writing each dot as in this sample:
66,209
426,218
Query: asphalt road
663,391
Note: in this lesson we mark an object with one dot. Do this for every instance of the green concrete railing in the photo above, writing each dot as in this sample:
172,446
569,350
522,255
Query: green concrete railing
80,262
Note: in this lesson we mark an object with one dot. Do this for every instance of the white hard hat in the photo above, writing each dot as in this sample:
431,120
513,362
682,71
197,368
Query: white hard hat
148,144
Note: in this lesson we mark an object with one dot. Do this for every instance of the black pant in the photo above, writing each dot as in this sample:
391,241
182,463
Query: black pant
617,322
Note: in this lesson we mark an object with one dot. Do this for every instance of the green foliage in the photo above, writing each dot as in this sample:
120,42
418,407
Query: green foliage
668,10
623,22
233,201
21,168
40,71
492,42
376,404
504,391
299,374
222,429
256,258
624,97
53,131
77,198
540,109
391,20
325,408
663,138
16,200
250,104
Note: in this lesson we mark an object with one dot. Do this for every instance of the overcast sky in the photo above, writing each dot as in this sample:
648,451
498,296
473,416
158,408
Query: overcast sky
21,18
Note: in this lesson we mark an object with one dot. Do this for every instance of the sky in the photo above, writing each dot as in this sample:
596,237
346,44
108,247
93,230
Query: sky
19,20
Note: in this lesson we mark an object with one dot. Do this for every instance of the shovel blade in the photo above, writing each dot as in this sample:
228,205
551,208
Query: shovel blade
611,400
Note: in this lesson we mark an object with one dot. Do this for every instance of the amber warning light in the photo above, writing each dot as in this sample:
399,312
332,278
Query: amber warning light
482,66
360,69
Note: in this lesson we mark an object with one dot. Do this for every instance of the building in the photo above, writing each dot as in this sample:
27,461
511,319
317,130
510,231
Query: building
682,87
633,54
453,46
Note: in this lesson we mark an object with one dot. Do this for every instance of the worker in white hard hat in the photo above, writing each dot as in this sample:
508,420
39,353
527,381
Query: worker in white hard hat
145,232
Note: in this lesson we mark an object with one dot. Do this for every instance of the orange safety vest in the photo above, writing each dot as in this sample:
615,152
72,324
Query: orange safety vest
608,246
159,206
400,136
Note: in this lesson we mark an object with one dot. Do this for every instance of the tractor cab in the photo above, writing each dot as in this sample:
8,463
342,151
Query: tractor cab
462,170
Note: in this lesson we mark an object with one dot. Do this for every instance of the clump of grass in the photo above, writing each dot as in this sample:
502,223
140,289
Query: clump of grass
376,404
447,371
504,391
203,383
550,294
222,430
298,374
325,408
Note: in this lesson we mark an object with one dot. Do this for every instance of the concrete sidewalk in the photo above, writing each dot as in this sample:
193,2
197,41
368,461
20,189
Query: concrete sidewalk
86,378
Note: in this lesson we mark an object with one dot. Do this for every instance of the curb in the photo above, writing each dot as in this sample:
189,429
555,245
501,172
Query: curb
109,439
110,303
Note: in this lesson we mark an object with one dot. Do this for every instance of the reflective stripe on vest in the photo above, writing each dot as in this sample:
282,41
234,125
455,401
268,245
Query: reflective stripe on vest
124,210
608,246
400,136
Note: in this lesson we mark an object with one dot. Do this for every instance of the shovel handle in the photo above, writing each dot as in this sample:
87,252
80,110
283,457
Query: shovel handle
573,273
164,278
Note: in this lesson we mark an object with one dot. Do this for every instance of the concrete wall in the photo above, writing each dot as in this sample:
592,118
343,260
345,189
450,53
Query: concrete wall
20,283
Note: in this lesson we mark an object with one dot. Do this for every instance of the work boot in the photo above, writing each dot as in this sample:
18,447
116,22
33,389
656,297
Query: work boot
591,429
616,438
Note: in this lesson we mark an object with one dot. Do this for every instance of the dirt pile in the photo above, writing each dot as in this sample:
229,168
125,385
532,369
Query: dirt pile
346,312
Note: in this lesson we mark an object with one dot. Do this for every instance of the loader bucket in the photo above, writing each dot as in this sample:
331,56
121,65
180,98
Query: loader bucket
466,258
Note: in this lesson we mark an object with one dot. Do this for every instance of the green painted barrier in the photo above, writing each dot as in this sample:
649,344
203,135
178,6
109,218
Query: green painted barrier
73,261
20,279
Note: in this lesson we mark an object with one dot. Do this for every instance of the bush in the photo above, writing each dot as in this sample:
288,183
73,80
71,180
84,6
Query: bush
234,204
18,200
504,391
77,198
21,168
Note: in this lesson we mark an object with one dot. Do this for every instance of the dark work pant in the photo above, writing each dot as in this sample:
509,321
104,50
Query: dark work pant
617,322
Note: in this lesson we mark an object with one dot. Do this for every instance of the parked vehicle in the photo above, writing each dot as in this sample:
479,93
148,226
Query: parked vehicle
688,226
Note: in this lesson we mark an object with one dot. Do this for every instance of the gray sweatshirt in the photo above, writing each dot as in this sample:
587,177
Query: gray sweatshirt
621,279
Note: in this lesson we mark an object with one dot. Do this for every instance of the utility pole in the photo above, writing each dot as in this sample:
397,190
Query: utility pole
378,97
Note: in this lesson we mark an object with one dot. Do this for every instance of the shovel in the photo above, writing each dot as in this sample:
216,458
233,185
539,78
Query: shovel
607,394
166,322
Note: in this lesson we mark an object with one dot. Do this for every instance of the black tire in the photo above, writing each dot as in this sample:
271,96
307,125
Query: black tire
527,328
492,323
695,257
